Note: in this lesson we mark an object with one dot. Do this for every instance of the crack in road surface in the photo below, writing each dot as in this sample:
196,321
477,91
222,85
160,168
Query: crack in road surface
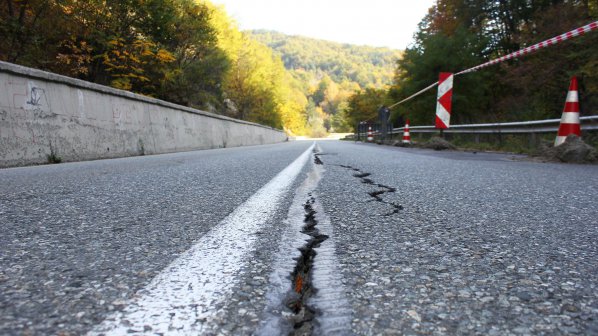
363,176
302,275
377,194
305,293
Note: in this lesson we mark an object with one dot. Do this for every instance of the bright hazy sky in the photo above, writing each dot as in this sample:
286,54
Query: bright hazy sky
380,23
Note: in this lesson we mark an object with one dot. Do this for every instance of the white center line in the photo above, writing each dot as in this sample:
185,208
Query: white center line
182,298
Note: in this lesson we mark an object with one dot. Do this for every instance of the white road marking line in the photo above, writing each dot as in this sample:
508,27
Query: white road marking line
183,298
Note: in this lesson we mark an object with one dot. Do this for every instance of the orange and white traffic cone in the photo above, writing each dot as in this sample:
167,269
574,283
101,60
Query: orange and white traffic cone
570,119
370,134
406,136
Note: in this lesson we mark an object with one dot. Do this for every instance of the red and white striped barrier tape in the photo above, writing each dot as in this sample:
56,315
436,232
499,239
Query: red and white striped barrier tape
413,95
553,41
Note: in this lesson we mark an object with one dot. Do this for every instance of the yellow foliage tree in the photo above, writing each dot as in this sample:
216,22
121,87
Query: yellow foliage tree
257,84
128,63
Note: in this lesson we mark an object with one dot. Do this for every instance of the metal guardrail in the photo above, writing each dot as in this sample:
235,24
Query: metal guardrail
589,123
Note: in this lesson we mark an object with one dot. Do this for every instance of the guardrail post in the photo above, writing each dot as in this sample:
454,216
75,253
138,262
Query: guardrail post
533,140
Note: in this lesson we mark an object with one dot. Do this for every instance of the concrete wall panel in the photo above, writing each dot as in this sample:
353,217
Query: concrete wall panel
43,113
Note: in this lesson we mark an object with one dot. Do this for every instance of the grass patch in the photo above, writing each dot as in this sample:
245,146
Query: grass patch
53,157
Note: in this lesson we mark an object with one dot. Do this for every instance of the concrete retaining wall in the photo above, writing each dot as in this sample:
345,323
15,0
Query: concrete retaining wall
43,113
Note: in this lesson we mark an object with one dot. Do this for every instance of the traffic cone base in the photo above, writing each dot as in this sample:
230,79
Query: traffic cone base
370,134
406,135
570,118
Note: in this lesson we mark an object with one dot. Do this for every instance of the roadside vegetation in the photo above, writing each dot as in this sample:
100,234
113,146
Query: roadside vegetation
459,34
190,52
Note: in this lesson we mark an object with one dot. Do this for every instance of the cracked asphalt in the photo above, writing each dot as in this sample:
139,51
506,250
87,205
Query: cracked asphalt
427,244
482,245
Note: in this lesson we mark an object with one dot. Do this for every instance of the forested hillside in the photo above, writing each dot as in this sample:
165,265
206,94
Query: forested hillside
329,73
364,65
459,34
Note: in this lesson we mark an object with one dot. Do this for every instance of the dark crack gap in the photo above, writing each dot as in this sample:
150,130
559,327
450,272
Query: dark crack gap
396,210
377,194
349,167
317,155
302,288
389,189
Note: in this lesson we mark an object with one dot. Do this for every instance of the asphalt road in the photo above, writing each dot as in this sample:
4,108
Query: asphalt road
338,238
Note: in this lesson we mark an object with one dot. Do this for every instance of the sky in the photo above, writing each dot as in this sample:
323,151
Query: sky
379,23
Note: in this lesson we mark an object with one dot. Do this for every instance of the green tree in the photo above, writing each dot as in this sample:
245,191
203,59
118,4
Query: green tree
538,83
364,105
195,77
28,29
458,34
420,66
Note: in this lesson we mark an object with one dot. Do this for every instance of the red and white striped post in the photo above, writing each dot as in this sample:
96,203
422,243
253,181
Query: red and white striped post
406,136
445,96
570,119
